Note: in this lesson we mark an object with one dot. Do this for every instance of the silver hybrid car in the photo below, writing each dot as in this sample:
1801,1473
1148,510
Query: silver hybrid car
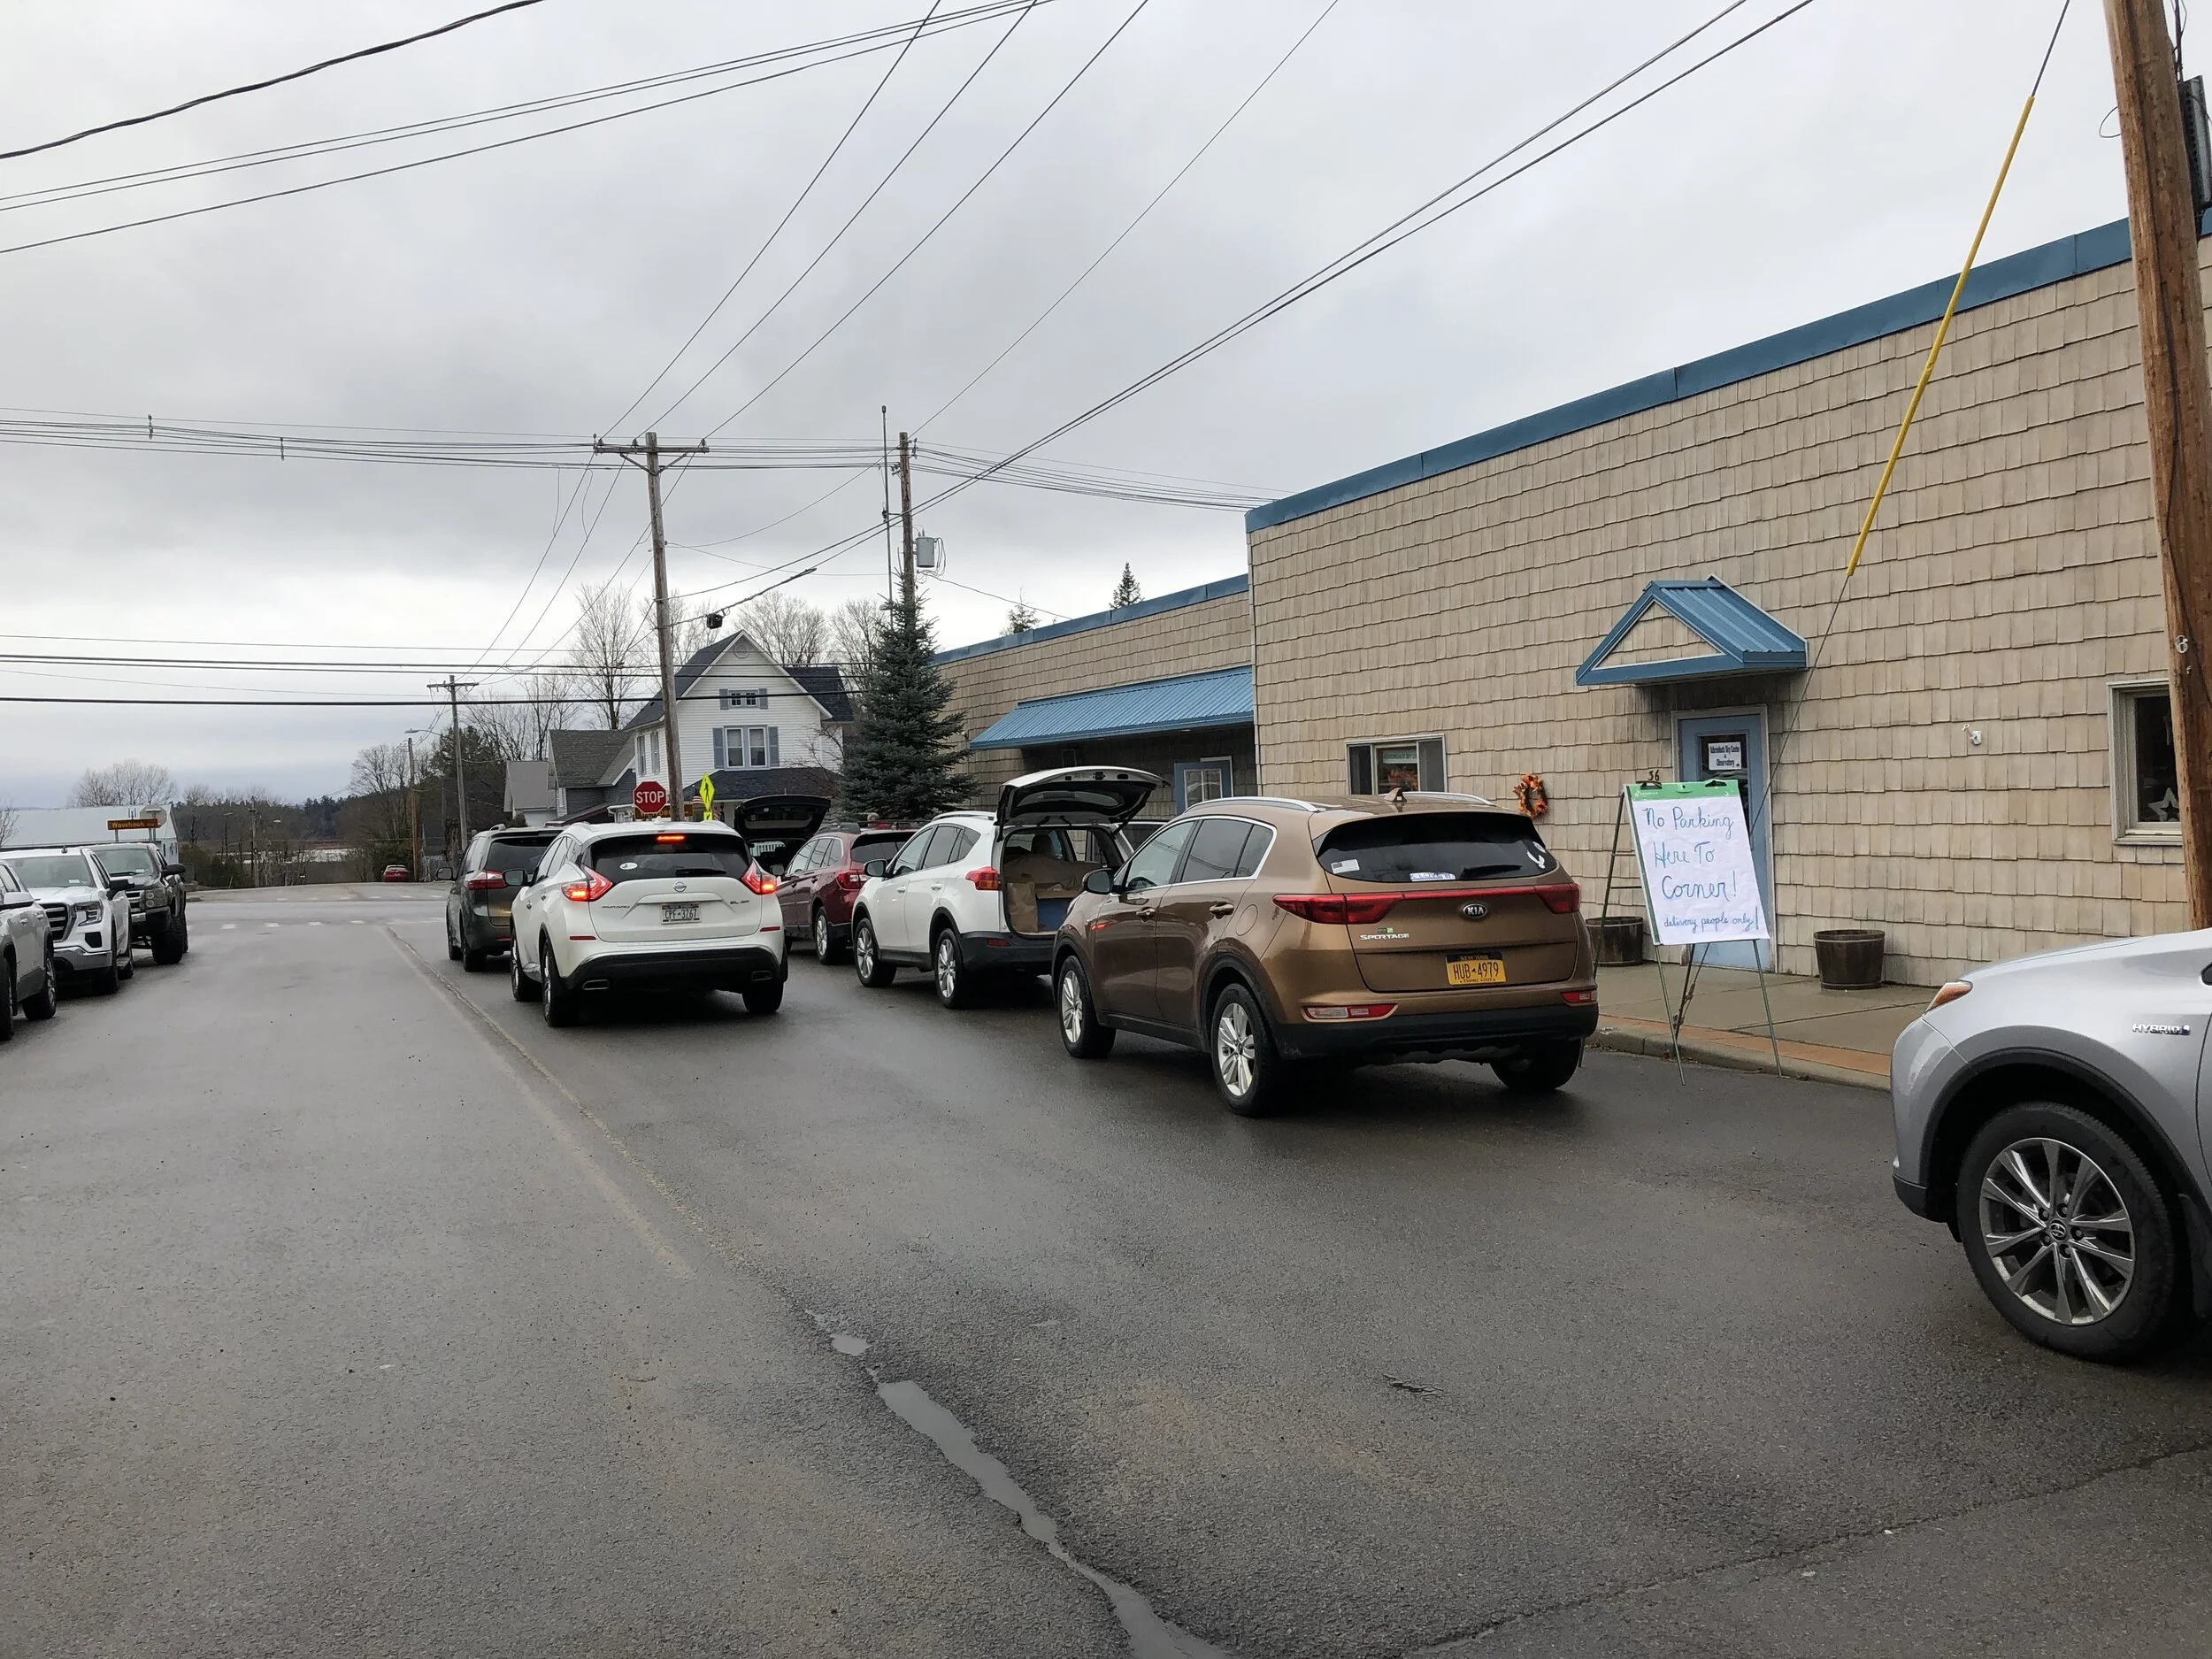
2053,1111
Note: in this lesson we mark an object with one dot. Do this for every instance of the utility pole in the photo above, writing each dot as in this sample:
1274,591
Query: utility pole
414,817
883,415
2177,398
906,519
652,451
453,688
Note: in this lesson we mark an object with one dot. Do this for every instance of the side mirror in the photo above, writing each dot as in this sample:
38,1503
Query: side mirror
1099,881
874,867
172,869
119,884
20,901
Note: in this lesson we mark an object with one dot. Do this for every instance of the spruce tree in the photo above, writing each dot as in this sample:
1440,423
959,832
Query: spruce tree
901,764
1126,592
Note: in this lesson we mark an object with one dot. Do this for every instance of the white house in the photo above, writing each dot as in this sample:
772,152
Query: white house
757,726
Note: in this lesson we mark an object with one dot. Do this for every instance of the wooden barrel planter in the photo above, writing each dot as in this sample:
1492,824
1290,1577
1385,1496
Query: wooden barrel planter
1620,941
1850,958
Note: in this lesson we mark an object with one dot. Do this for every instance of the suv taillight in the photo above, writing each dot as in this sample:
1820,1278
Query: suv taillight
852,881
1339,907
484,879
594,886
759,880
984,881
1564,901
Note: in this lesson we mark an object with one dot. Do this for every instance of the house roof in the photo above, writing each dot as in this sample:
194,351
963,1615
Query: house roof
1745,640
1222,697
733,784
824,683
581,759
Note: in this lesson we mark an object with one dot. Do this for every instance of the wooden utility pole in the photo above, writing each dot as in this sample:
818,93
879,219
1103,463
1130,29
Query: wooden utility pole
906,520
652,451
414,817
2177,398
453,688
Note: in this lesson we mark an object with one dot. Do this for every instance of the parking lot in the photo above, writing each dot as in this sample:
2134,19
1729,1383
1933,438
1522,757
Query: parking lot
351,1310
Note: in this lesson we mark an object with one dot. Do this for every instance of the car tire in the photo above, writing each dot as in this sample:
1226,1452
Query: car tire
474,961
1249,1072
556,1001
826,947
520,986
7,996
41,1003
2024,1232
763,999
1538,1068
128,968
868,961
106,982
955,985
169,942
1081,1034
452,944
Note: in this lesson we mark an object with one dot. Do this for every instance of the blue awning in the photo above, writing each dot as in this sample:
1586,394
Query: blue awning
1189,701
1745,640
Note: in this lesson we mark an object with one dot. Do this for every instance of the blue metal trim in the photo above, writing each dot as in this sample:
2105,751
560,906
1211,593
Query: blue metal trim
1220,698
1745,639
1227,586
2022,273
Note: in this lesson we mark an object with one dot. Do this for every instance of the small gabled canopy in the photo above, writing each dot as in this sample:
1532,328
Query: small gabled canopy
1744,639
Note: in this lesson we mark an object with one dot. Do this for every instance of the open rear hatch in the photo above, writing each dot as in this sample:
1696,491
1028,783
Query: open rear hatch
1054,829
775,826
1453,901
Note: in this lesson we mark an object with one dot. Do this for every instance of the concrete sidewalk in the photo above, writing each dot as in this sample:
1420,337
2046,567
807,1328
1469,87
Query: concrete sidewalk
1834,1036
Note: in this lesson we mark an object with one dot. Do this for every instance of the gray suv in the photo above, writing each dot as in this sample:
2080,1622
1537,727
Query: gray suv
2053,1110
156,892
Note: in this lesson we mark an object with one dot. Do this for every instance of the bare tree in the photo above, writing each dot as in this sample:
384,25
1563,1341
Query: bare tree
787,628
378,785
614,642
126,783
853,629
7,821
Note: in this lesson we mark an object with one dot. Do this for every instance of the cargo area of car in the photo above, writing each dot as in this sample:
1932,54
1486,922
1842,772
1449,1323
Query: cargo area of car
1041,869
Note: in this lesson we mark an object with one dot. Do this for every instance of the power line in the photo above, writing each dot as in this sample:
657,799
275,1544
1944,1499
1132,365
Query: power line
262,85
820,338
452,155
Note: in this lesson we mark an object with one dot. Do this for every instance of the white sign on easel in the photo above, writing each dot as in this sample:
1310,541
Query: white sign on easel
1693,847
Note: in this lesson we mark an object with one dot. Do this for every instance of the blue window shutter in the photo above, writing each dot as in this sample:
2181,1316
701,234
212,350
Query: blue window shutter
772,761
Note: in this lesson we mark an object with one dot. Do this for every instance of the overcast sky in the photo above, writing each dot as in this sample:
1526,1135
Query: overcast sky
539,288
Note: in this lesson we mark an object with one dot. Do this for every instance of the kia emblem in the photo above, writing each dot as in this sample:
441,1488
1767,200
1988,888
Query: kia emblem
1474,912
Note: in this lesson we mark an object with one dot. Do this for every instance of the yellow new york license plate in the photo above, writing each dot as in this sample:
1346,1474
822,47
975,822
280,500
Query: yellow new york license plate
1476,970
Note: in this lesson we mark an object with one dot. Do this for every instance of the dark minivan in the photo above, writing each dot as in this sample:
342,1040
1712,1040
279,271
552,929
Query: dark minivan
480,905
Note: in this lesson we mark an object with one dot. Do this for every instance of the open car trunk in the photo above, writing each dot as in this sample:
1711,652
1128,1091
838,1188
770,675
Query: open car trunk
775,826
1054,829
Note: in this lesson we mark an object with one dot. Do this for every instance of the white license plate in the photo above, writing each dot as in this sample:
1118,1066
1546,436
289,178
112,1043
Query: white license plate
680,912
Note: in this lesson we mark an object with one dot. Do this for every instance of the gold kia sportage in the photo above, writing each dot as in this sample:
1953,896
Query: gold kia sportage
1269,931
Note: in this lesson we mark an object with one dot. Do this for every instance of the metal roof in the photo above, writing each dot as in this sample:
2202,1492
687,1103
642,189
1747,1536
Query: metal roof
1222,697
1745,640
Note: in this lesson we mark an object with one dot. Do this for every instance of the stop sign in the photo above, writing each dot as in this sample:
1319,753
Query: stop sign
650,798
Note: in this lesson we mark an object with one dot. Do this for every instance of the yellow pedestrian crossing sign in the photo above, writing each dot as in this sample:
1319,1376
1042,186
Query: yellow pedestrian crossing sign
706,797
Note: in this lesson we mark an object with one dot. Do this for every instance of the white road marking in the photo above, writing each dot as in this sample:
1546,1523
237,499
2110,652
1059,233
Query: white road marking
230,927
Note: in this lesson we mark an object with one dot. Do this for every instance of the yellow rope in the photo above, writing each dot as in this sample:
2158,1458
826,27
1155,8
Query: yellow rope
1943,328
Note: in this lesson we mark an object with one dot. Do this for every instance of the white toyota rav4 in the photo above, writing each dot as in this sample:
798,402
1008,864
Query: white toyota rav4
974,894
647,906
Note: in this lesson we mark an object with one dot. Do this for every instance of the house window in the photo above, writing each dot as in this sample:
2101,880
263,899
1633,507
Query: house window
649,754
1197,780
748,698
745,747
2145,782
1413,762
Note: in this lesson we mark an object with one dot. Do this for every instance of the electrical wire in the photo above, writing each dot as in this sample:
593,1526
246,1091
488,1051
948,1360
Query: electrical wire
263,86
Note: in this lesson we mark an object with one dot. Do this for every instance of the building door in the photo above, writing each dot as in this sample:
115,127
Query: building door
1734,746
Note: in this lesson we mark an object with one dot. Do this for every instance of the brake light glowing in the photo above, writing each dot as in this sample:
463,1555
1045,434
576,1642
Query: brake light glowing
674,840
759,880
1360,908
1350,1011
485,879
1564,901
984,880
591,886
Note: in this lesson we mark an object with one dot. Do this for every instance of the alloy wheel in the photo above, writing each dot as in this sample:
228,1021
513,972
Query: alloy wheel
1236,1047
2058,1231
948,966
821,936
1071,1007
864,951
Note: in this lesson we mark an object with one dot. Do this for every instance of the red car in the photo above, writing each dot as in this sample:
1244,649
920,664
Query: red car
820,882
397,872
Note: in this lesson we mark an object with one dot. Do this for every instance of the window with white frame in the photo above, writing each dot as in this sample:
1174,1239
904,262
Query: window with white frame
746,697
647,758
746,747
2146,781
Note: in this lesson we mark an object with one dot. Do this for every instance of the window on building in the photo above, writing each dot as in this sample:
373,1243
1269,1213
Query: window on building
746,697
648,760
2147,798
745,747
1413,762
1197,780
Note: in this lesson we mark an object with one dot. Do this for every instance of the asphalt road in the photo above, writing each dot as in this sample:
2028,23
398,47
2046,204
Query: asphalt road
348,1310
